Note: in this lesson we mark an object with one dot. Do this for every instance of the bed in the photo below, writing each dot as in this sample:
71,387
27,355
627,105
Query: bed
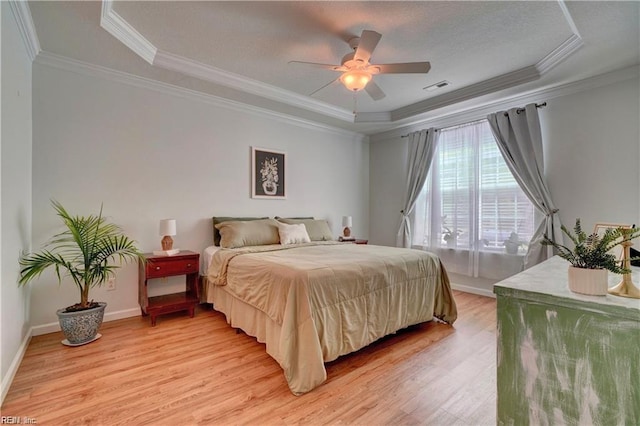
314,300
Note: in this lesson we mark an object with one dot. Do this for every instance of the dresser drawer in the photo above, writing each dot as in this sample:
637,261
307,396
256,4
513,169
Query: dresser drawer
167,267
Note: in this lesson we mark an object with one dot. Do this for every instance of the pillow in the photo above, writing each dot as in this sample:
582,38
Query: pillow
220,219
298,218
234,234
293,234
317,229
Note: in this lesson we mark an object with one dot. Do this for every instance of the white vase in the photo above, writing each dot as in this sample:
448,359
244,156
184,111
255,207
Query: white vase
270,188
511,248
588,281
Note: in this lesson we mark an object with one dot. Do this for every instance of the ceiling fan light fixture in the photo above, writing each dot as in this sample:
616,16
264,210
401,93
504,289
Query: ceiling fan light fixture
355,80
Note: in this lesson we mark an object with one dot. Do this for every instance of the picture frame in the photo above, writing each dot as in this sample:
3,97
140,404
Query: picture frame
600,228
268,174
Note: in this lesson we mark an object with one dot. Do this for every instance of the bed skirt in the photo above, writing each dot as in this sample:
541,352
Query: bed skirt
257,324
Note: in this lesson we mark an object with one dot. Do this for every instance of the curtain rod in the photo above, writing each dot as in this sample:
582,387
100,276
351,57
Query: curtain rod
518,111
409,134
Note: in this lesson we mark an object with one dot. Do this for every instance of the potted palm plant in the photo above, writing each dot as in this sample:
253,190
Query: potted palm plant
86,252
591,257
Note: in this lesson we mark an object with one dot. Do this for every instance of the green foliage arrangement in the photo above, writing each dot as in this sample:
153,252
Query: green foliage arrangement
592,251
86,250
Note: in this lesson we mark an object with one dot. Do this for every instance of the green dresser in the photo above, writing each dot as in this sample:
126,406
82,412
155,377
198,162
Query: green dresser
565,358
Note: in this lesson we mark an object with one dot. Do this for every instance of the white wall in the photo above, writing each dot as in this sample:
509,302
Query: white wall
592,146
15,199
153,154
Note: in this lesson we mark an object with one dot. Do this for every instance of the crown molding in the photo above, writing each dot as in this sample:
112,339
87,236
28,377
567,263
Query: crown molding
568,18
418,114
504,81
73,65
559,54
438,121
125,33
491,85
373,117
129,36
202,71
479,112
27,29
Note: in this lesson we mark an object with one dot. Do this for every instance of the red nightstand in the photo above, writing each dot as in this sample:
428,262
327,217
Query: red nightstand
184,263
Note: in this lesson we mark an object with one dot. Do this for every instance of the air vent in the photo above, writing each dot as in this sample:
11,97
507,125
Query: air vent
440,85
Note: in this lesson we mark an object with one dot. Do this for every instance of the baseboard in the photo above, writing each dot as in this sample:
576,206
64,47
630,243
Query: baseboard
15,364
473,290
110,316
126,313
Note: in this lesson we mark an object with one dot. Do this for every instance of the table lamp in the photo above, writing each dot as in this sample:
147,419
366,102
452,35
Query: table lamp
167,230
626,288
347,223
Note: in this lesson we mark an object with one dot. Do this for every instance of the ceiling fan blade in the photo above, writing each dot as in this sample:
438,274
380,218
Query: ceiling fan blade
368,41
374,91
328,84
404,68
325,66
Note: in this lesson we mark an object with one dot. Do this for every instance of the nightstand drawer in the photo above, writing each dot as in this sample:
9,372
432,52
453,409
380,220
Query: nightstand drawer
167,267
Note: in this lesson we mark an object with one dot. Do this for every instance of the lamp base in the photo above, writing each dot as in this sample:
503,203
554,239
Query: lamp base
625,288
166,252
167,242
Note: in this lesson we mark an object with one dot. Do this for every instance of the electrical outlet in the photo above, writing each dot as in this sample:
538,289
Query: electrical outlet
111,284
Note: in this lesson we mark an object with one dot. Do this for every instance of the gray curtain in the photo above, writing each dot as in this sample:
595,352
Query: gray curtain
422,146
518,135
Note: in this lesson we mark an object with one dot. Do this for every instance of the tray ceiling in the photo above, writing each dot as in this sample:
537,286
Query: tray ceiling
241,50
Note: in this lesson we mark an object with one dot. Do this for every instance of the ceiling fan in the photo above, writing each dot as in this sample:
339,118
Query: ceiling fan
357,72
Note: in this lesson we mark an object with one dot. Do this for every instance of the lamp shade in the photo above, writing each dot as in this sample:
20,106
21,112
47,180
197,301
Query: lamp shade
346,221
168,227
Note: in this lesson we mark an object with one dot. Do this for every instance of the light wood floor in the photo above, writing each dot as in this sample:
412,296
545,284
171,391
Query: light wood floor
199,371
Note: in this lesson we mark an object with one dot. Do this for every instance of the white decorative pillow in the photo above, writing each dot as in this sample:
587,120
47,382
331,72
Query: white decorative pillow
293,234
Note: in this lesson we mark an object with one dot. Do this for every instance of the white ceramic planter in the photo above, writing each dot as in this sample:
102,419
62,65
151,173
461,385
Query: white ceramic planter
588,281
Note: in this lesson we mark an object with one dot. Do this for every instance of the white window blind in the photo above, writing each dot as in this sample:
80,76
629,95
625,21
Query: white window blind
470,200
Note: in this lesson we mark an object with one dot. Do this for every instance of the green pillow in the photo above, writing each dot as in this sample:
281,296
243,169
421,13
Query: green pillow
234,234
318,229
220,219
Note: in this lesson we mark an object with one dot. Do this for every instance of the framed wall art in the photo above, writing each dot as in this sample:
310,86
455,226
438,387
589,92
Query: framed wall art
268,179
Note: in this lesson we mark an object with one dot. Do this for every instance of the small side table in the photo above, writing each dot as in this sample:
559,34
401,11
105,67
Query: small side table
184,263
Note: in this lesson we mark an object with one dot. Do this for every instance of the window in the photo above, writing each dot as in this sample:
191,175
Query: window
470,200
